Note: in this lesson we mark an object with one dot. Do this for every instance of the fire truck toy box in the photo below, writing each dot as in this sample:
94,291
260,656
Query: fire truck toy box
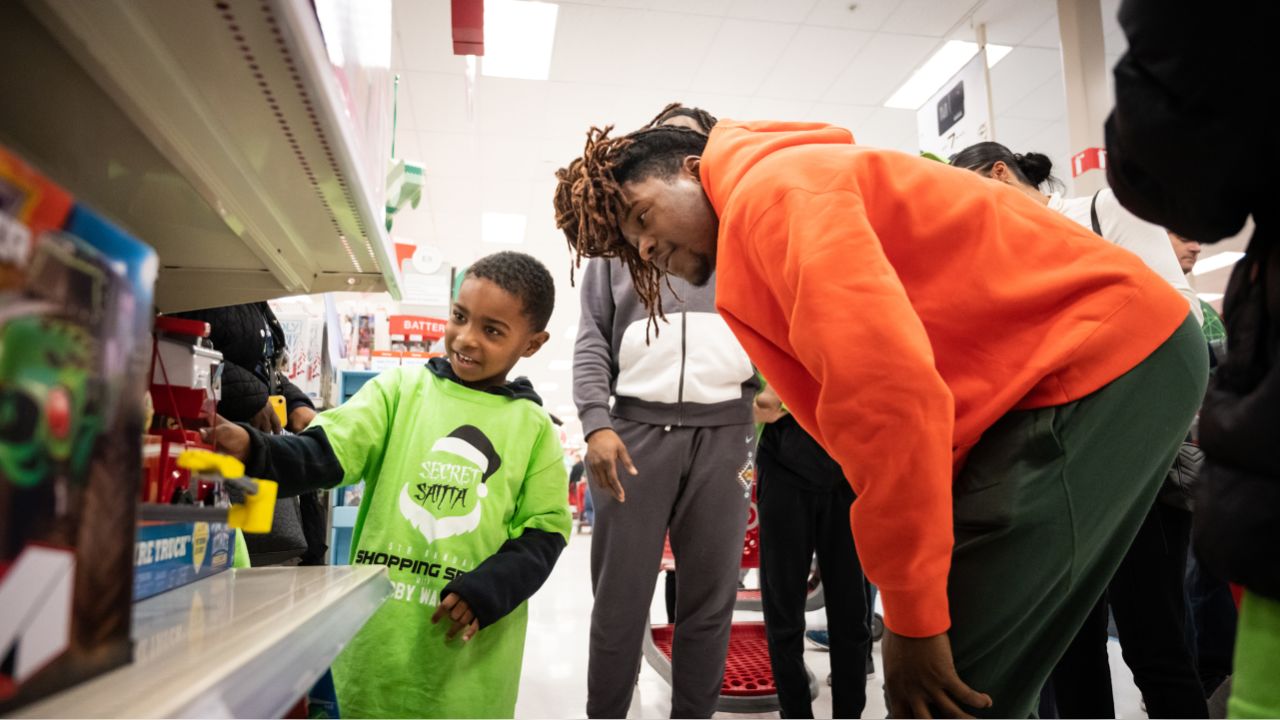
170,555
75,303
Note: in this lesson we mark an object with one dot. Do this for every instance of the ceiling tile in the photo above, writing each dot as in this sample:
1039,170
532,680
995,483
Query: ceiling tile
760,108
884,64
889,128
693,7
658,49
407,146
720,105
509,106
813,60
742,54
849,117
865,15
426,32
927,17
792,11
439,101
452,155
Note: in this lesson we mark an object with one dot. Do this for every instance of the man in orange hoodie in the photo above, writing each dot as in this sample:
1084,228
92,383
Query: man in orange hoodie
1003,389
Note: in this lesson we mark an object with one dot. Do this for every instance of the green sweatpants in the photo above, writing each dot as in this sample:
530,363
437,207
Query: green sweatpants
1045,508
1255,686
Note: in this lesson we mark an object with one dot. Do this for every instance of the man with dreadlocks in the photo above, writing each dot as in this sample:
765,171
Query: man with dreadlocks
683,391
1004,417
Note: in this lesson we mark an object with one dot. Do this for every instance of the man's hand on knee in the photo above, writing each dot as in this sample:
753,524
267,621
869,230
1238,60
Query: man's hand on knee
920,679
604,451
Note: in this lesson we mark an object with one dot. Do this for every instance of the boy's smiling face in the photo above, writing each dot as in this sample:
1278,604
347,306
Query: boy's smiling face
488,332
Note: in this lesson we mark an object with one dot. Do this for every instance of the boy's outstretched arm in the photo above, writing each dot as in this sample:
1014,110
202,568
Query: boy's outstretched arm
298,463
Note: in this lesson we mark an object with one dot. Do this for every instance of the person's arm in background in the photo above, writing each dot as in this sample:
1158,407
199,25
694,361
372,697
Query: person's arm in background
539,531
594,371
300,410
1147,241
890,404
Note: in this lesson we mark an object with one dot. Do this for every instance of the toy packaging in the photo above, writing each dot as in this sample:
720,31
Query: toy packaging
75,307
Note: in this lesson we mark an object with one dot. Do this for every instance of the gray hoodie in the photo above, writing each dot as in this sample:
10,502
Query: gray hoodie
692,373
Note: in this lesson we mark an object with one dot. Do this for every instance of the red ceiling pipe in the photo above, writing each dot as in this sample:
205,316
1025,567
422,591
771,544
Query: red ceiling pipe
468,27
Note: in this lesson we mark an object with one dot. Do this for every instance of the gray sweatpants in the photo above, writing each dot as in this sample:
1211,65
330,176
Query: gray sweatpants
692,481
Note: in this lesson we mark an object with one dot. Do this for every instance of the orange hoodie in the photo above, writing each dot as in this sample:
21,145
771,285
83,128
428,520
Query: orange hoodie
900,307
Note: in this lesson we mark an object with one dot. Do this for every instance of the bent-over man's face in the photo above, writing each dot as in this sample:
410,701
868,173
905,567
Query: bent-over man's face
672,224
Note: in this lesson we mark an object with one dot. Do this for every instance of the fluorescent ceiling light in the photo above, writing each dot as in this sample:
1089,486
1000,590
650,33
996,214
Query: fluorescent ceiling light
567,410
502,228
1209,297
571,332
518,37
548,387
560,365
1216,262
940,68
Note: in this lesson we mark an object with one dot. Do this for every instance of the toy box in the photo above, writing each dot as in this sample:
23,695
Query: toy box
75,303
169,555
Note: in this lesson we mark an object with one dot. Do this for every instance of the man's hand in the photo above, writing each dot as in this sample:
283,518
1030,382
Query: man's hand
604,451
460,614
920,679
300,418
266,420
768,406
227,437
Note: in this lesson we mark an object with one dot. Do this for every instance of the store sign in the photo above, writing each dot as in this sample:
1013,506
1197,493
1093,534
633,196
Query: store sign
417,325
958,115
1090,159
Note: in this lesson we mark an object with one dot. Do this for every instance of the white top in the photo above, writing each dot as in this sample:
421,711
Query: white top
242,643
1126,230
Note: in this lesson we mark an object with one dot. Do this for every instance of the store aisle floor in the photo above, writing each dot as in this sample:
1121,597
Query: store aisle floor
554,682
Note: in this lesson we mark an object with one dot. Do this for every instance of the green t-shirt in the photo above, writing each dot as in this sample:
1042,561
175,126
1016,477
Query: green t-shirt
450,475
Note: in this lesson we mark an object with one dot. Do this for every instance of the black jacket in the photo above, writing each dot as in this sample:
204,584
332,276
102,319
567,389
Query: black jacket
1190,148
252,345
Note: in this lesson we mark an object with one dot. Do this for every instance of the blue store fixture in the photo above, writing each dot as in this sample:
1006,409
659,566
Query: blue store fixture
343,515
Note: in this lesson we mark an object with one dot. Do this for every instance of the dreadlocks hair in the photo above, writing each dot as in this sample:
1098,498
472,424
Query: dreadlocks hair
590,205
523,276
705,120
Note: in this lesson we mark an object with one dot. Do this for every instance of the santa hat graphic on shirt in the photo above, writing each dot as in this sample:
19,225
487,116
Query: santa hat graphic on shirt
468,444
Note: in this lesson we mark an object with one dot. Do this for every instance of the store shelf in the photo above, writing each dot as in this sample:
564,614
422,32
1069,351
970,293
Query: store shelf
244,643
219,132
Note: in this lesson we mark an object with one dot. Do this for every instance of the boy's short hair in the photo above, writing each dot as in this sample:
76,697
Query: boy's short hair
523,276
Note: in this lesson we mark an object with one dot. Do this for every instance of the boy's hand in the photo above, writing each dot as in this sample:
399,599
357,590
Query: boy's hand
459,614
604,451
227,437
920,677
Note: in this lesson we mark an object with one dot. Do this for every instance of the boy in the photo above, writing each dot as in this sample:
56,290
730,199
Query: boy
1004,417
465,502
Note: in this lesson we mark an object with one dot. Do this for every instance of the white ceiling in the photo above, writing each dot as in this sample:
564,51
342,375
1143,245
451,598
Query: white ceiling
621,61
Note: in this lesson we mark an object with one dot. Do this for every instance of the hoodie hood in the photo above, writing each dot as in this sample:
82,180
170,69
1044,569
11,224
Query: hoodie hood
734,147
519,389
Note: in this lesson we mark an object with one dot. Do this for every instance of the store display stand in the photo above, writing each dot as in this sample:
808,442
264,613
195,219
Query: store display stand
244,643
